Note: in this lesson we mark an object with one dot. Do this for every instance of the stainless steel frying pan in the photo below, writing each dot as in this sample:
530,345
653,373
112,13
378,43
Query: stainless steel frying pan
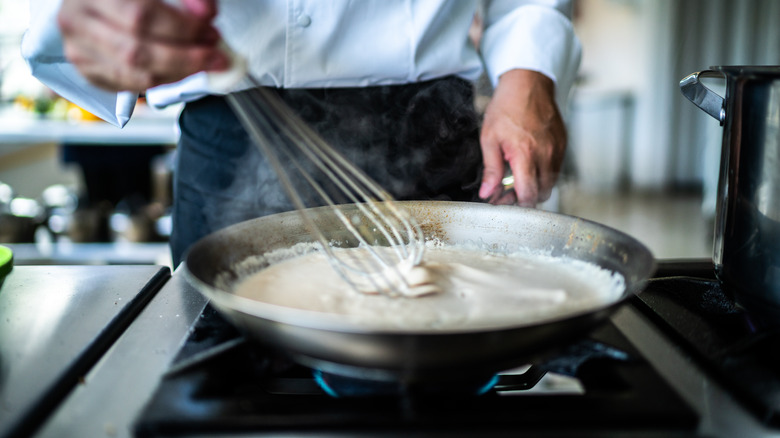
326,342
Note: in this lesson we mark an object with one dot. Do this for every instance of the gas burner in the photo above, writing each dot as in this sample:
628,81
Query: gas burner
236,386
343,386
520,379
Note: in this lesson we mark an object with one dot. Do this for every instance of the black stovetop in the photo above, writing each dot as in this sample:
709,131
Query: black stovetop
734,346
221,383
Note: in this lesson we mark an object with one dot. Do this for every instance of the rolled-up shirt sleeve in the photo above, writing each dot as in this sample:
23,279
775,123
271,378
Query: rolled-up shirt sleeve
532,35
42,50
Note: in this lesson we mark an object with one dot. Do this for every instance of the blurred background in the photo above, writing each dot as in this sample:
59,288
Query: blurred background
641,158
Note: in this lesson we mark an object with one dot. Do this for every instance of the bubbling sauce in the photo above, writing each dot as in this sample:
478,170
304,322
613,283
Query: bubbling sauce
473,289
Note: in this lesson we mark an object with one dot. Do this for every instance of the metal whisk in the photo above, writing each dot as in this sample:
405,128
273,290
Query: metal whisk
312,173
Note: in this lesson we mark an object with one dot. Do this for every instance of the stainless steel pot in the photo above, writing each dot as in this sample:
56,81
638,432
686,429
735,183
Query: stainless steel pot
326,342
746,249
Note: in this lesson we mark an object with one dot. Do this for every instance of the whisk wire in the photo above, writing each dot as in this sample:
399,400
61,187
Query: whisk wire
277,131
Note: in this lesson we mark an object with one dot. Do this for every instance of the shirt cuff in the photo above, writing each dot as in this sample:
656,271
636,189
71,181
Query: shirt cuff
535,38
42,49
63,79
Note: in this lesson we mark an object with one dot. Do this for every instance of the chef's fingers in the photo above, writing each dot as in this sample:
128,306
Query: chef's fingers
118,61
548,175
202,8
507,197
114,76
139,71
493,166
522,161
153,19
550,156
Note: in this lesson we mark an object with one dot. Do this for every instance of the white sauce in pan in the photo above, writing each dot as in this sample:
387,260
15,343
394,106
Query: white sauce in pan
475,289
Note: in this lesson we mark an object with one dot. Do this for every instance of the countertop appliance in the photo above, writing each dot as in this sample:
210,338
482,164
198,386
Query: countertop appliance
680,359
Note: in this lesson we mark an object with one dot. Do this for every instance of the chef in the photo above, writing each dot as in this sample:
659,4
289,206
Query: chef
387,82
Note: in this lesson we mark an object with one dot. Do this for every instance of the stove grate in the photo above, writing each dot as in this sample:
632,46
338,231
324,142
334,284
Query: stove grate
240,388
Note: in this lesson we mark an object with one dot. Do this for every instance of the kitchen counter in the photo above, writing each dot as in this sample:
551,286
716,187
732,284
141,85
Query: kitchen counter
55,323
92,253
115,390
146,127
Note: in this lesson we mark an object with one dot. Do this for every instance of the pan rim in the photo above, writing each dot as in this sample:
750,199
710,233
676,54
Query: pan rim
338,323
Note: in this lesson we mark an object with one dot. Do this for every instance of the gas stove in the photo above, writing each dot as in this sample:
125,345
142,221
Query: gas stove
680,359
235,386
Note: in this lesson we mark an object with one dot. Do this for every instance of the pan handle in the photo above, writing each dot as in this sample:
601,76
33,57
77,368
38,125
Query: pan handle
701,96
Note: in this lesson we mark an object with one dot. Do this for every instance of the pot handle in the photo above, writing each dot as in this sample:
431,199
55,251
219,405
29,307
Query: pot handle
703,97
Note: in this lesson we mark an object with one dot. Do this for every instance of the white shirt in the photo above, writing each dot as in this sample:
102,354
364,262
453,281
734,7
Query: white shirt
342,43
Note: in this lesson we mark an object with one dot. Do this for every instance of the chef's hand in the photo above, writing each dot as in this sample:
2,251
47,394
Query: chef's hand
137,44
522,128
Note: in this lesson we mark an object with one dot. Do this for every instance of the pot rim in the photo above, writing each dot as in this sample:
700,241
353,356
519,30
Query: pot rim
752,70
